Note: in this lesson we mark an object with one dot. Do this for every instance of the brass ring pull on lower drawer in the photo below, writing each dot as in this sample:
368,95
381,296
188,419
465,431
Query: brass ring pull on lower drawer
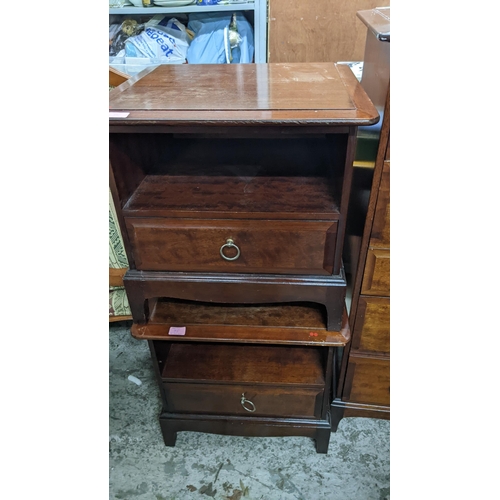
229,244
249,405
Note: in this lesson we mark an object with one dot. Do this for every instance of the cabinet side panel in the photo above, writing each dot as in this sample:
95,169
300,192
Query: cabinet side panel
126,164
381,233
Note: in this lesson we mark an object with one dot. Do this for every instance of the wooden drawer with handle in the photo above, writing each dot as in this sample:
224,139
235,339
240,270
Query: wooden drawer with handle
243,379
252,246
244,400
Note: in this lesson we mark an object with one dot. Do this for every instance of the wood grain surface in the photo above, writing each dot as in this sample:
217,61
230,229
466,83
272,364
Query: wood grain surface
208,196
239,87
246,94
253,364
226,400
282,324
205,245
377,278
323,30
372,322
368,380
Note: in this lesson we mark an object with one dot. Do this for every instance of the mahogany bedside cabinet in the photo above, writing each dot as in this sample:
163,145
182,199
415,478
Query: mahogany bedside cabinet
231,188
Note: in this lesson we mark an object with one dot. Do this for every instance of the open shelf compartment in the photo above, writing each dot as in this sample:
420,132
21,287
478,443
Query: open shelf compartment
172,175
286,323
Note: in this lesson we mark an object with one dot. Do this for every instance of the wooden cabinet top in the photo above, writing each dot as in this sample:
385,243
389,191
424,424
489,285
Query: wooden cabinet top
243,94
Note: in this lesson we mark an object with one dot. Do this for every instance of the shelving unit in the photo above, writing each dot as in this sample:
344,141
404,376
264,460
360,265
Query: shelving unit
258,8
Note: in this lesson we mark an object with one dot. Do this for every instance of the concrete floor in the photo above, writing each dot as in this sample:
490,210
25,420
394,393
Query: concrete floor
203,466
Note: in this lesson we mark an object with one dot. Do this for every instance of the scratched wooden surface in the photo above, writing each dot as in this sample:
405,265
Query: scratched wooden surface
241,86
228,93
250,324
323,30
246,364
233,197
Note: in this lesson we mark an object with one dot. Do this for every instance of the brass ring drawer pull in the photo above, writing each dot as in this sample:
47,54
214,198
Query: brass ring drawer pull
247,402
229,244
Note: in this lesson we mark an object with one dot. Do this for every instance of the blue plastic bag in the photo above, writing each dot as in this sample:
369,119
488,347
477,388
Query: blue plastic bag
211,44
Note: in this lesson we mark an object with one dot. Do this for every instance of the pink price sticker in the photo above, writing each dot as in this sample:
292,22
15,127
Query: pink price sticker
177,330
118,114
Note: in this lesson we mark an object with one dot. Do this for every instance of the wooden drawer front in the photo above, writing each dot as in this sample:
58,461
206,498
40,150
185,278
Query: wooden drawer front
372,325
226,399
376,278
295,247
380,235
368,381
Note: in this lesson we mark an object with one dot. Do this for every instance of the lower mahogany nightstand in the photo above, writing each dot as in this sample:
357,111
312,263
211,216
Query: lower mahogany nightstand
241,370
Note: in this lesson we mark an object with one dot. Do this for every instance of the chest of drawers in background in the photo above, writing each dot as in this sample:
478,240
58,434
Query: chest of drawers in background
364,382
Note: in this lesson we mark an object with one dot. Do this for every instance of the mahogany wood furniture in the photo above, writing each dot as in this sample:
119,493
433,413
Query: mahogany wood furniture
364,385
232,187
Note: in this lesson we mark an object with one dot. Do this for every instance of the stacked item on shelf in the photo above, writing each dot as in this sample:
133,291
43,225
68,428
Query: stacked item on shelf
213,37
161,40
118,4
173,3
